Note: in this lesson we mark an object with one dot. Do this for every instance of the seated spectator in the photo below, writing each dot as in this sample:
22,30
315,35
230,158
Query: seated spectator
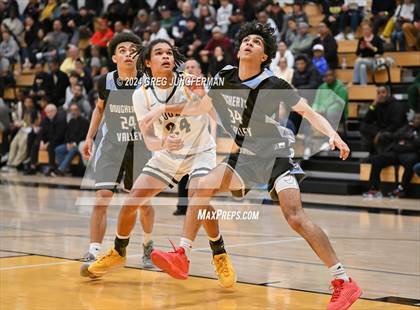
414,95
42,84
205,23
318,60
74,80
18,147
264,19
326,39
141,23
305,76
13,23
298,15
217,61
303,42
291,32
369,46
76,132
84,74
204,3
158,32
69,63
9,51
403,150
225,10
282,52
330,106
102,36
218,39
80,99
60,83
236,21
32,9
352,15
277,14
282,70
180,26
412,30
404,14
381,11
84,24
384,116
192,40
29,36
167,20
51,134
57,39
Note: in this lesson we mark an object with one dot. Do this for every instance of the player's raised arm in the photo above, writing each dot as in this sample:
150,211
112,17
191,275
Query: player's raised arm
321,124
97,115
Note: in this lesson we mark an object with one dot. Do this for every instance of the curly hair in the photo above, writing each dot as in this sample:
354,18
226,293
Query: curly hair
266,32
120,38
145,52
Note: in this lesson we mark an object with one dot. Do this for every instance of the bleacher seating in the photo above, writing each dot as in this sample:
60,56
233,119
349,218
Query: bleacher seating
362,92
43,158
387,174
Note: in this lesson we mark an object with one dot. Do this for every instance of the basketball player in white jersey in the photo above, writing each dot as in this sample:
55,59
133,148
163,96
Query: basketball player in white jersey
181,145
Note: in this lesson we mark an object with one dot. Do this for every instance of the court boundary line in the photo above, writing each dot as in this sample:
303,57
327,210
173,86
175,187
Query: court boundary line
70,261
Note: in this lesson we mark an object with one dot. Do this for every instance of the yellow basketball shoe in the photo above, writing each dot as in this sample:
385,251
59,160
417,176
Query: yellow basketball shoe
224,270
111,260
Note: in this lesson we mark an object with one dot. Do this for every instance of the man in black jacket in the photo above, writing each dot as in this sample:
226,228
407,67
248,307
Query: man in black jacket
42,84
75,133
404,150
60,83
51,134
327,40
384,116
306,76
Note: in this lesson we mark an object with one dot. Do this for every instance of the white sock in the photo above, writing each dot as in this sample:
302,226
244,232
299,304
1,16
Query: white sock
338,272
215,239
147,237
187,245
94,248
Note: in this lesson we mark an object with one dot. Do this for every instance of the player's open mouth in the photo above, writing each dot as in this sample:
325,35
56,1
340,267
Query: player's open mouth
248,49
166,64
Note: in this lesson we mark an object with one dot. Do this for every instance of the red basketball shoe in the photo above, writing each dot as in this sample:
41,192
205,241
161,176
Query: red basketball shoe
344,294
174,263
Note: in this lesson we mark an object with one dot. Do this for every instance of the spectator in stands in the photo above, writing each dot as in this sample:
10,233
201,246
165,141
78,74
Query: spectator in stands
96,61
334,17
167,20
69,63
318,60
32,9
84,24
206,23
404,14
368,47
52,132
326,39
47,13
354,11
332,107
9,51
80,99
65,16
141,23
4,129
291,32
206,4
282,52
217,61
180,26
60,83
192,40
13,23
57,39
74,79
412,30
381,11
236,22
403,150
42,84
384,116
102,36
225,10
303,42
29,36
276,13
84,74
218,39
414,95
76,132
23,123
282,70
158,32
264,19
298,15
305,76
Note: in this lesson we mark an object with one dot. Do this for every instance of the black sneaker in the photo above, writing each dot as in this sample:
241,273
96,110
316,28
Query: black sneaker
399,192
29,171
180,211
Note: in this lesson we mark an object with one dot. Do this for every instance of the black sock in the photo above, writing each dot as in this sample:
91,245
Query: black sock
120,245
218,246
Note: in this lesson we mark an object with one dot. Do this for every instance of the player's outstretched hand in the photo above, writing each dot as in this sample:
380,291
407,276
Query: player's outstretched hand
173,143
87,149
337,142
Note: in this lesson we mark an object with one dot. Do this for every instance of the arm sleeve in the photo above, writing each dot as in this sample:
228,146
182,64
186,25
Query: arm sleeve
139,103
102,88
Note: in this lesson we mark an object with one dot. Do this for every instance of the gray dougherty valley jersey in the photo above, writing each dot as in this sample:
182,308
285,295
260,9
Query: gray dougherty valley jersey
119,127
193,130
